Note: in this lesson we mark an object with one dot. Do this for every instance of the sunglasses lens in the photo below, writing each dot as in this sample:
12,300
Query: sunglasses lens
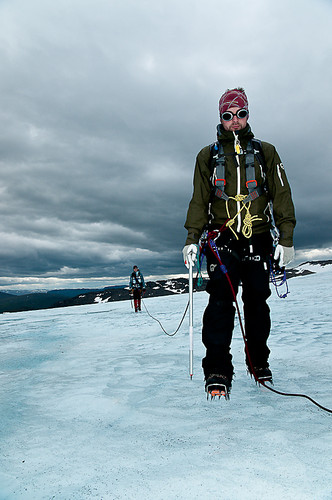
242,113
227,116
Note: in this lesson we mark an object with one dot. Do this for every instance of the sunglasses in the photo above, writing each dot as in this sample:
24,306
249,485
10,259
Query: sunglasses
227,116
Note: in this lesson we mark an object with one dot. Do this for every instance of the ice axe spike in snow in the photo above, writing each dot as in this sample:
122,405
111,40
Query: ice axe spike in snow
191,329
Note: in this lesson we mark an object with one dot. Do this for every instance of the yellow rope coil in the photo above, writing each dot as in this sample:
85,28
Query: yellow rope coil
248,218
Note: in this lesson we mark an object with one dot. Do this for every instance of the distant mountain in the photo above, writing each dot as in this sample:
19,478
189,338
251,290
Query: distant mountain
309,267
110,294
5,295
31,301
74,297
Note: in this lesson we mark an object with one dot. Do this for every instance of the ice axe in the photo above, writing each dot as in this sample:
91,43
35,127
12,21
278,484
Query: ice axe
191,328
191,255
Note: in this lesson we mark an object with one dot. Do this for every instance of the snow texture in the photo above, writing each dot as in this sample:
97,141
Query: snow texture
96,402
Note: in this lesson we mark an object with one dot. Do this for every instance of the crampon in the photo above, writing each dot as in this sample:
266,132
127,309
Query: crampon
214,391
262,375
217,386
263,380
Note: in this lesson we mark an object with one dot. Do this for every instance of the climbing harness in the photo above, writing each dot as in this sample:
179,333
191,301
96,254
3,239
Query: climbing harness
219,180
136,280
254,191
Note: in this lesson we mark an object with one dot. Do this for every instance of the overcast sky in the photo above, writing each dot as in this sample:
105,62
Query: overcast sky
105,105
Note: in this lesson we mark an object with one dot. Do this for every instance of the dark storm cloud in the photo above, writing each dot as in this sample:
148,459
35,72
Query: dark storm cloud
104,107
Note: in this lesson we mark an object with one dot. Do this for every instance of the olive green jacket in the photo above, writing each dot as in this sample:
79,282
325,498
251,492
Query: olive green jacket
278,192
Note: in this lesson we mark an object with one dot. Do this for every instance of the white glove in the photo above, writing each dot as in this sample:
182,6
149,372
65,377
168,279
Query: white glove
284,255
190,254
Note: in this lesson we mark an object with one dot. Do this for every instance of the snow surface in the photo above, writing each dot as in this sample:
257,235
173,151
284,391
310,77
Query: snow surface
96,402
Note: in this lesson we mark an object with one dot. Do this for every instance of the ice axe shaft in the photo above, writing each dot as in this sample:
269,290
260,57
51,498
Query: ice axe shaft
191,328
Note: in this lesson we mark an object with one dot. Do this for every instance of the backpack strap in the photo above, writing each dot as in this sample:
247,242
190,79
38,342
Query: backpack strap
259,153
136,280
217,167
218,179
254,190
258,150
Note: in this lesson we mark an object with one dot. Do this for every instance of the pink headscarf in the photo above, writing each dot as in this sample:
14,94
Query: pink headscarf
233,98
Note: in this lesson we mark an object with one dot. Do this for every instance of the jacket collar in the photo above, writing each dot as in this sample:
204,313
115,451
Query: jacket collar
228,136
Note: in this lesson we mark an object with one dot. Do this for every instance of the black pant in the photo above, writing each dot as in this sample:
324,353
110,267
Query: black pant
246,261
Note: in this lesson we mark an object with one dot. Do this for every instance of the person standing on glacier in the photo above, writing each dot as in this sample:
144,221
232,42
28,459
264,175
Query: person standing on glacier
137,287
240,193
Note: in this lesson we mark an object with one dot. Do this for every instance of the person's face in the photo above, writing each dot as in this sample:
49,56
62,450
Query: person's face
235,123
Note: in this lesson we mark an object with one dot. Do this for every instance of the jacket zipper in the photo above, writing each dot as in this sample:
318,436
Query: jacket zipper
238,150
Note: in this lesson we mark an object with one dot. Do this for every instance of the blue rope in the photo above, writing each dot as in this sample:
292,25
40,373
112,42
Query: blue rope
283,282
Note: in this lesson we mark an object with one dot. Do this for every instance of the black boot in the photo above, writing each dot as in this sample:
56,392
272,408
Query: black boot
261,373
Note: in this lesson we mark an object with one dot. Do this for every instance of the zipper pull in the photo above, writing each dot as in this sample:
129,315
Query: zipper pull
237,145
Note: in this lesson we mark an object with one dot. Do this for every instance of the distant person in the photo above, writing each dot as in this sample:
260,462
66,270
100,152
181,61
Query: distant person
137,287
235,180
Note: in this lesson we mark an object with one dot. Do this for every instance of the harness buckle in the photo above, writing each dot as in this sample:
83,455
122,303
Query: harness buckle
218,181
251,186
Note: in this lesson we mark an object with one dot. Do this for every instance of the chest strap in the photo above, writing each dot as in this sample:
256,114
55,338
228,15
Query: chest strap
219,180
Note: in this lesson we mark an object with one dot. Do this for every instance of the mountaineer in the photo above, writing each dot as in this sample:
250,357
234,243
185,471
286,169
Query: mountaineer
137,287
241,194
